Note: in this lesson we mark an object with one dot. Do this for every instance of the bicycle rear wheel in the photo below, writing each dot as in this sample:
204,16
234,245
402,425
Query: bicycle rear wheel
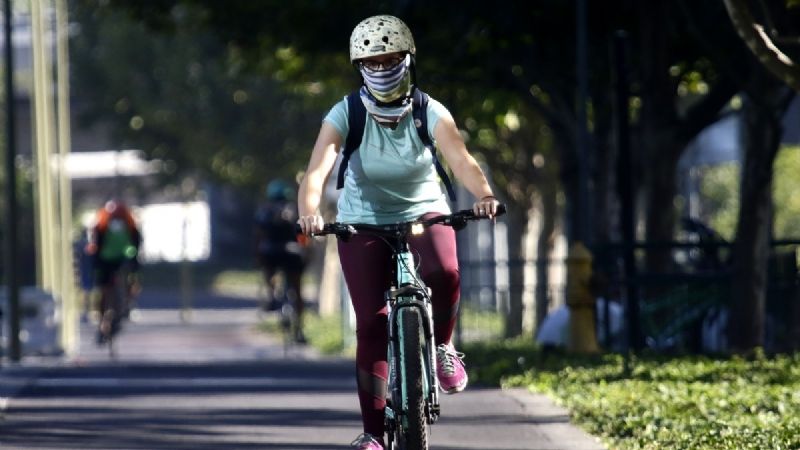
413,432
110,320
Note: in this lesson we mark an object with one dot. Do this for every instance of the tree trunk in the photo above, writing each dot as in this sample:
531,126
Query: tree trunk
660,220
517,220
762,134
544,248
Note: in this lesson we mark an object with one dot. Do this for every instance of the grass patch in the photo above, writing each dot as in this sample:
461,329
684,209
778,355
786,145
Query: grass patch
246,283
477,325
201,275
325,334
656,402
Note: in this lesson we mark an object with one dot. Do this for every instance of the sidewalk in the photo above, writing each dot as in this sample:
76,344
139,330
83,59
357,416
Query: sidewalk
214,382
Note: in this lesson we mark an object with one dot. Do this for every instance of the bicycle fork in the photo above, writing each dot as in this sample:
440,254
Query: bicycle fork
410,297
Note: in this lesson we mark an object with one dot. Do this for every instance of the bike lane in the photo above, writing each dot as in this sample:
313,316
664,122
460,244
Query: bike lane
213,382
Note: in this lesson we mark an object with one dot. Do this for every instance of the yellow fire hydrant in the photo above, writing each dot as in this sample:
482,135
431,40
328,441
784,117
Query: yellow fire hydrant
580,300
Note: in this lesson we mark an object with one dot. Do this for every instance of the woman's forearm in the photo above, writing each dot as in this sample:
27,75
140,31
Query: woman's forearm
323,157
310,194
472,177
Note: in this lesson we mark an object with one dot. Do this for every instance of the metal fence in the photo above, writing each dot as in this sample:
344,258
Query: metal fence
486,293
684,310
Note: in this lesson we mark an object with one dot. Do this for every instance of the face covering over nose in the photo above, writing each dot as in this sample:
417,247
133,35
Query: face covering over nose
388,85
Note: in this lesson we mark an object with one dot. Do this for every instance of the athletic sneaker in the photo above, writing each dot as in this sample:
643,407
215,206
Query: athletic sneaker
450,369
366,441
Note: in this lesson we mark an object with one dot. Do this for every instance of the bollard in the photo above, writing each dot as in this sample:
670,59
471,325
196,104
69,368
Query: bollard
581,301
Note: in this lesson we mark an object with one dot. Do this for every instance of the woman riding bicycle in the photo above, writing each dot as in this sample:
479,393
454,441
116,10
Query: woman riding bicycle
391,178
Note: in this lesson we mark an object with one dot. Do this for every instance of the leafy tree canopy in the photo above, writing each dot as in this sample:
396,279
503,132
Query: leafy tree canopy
199,80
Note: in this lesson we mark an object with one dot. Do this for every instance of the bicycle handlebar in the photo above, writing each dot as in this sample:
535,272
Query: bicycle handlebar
457,220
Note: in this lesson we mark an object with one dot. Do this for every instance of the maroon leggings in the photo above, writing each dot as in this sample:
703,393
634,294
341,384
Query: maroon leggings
367,266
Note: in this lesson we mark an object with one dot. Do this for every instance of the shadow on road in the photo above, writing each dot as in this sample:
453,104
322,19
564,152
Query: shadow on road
134,379
236,405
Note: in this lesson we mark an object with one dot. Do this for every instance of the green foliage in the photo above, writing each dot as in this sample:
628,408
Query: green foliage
324,333
186,97
719,188
659,403
489,362
786,185
479,325
654,402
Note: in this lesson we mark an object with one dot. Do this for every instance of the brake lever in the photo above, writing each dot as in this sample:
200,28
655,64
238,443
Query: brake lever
458,222
342,231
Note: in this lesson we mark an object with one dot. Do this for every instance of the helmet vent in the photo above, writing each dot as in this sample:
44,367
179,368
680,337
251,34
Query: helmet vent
385,39
366,41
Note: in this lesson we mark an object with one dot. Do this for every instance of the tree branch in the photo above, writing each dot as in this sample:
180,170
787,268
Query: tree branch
778,63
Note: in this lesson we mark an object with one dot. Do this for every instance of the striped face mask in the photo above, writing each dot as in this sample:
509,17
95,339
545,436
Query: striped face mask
388,85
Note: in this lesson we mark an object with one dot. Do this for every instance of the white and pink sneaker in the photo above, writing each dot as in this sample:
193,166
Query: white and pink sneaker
450,369
366,441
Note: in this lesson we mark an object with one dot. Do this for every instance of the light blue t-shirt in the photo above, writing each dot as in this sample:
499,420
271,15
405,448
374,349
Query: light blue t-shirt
391,177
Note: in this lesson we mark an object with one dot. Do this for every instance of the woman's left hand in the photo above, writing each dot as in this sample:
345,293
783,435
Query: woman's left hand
486,207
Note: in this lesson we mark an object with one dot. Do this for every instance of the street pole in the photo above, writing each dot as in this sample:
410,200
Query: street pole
625,187
12,212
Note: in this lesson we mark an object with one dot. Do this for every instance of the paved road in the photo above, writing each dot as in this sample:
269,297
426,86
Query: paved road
214,383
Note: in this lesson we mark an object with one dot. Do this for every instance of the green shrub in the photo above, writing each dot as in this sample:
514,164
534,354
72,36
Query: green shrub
682,403
480,325
487,362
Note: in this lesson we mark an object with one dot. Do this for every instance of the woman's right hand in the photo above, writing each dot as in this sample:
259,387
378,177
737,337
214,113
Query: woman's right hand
311,224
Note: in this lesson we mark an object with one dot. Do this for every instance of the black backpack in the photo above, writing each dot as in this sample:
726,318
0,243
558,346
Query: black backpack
357,119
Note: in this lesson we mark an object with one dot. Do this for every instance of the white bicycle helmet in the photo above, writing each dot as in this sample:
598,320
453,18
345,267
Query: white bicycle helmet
379,35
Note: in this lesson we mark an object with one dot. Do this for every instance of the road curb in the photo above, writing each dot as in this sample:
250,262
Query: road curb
553,421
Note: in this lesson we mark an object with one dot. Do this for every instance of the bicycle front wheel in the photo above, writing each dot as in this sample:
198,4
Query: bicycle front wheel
413,434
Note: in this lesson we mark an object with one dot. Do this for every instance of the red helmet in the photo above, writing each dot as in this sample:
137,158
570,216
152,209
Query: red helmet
115,208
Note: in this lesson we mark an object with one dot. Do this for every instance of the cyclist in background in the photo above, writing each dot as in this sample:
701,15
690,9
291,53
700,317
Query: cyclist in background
114,244
392,178
278,249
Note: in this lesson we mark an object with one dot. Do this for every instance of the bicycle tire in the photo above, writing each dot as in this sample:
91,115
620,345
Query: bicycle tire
110,317
413,435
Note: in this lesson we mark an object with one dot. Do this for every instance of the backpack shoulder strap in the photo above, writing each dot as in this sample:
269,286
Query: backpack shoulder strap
420,115
356,120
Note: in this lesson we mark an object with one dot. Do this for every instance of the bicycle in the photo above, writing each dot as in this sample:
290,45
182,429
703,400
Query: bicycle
115,305
413,389
278,296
